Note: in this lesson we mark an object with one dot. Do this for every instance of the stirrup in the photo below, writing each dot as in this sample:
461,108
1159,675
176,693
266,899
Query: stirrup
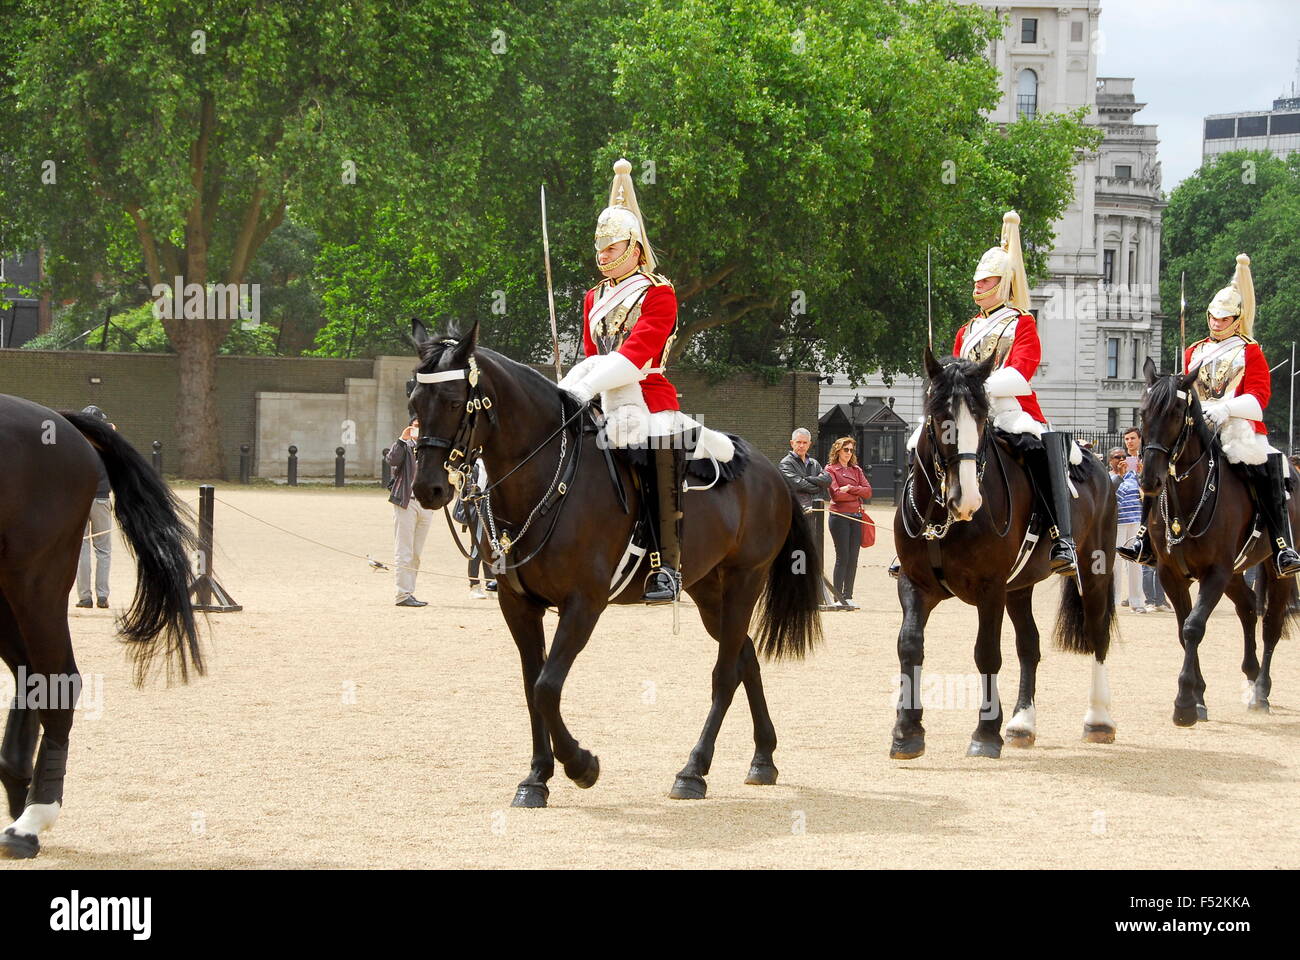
895,568
1064,558
662,585
1138,550
1286,561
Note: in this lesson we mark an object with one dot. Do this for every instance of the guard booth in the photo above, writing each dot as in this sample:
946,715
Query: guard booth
881,437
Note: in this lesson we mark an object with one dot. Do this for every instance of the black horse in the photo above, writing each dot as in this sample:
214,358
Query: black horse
966,528
50,479
560,530
1204,528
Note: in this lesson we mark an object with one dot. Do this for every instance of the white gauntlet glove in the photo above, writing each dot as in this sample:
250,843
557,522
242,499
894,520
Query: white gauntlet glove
609,370
1216,413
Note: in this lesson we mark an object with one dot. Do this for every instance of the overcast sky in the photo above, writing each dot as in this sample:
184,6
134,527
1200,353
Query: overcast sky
1192,58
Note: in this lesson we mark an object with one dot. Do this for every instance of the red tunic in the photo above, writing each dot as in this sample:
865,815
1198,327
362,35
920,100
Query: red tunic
1025,354
645,343
1256,380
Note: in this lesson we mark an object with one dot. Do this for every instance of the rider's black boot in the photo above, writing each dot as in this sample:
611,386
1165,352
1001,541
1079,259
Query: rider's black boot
664,581
1049,471
1139,549
1270,491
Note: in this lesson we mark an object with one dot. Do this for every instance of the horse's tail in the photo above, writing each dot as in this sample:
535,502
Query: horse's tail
1072,628
1292,599
150,517
789,625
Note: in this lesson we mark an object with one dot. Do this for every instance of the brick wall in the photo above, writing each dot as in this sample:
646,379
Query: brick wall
138,392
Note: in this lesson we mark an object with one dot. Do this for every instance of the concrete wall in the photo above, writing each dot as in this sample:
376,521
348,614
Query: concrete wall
272,402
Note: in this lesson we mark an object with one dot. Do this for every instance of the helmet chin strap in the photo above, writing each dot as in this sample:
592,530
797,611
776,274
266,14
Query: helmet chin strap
615,264
1227,331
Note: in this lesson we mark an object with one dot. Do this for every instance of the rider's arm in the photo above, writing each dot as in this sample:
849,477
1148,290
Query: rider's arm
653,328
1256,385
1012,379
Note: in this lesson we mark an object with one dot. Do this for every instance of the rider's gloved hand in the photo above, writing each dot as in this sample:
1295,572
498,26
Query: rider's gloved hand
1216,413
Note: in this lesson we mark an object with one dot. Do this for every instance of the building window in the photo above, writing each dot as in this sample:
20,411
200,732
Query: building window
1220,129
1028,30
1252,126
1027,94
1132,260
1284,123
1076,31
1124,171
1108,266
1137,350
1112,420
1112,357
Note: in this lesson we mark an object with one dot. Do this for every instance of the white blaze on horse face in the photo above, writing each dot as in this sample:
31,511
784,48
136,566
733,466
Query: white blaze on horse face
969,499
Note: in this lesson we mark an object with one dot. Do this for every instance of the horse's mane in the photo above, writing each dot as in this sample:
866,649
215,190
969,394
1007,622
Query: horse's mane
431,352
958,381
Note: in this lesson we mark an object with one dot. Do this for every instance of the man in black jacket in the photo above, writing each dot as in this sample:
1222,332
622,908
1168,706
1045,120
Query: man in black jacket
809,482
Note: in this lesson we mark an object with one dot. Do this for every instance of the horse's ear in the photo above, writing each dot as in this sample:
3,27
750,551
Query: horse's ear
1189,378
985,369
1149,371
932,366
419,335
466,345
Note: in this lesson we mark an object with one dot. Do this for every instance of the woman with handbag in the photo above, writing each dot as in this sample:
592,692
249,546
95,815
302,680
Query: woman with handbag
850,489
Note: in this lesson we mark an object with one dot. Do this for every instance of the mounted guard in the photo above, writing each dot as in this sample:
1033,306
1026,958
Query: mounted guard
629,322
1233,383
1006,331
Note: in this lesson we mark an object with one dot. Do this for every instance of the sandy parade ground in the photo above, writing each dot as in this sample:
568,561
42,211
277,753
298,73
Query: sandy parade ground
337,730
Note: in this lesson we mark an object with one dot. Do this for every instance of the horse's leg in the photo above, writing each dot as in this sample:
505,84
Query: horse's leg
1022,728
1191,684
578,618
986,741
1243,598
707,594
1099,620
23,725
1277,608
741,589
524,618
43,614
909,735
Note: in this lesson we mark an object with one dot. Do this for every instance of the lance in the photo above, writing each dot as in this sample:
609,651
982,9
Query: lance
929,319
1182,321
550,290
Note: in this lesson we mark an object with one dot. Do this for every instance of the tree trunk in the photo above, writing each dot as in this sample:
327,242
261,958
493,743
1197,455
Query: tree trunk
198,425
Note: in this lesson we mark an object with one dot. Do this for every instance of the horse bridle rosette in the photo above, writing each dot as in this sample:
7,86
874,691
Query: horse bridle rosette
457,473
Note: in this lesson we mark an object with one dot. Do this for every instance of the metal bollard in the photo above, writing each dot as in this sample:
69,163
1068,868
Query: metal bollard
385,469
339,464
244,465
157,457
293,465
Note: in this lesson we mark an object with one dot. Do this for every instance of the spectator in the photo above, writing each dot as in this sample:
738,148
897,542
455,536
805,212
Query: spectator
850,490
805,477
98,533
411,521
1117,467
470,522
1130,516
1133,442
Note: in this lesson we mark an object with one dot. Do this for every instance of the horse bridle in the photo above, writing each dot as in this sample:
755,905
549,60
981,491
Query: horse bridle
1174,527
458,446
934,531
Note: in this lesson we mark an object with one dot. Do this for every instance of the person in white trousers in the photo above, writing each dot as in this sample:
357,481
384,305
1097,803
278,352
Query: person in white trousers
1130,518
411,522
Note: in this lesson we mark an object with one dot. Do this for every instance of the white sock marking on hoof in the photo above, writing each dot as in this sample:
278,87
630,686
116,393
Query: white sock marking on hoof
37,818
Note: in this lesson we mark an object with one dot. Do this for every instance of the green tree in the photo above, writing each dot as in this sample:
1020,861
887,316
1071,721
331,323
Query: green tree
202,126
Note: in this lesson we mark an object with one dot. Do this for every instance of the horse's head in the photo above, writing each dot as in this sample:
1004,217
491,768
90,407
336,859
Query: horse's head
956,412
447,400
1170,413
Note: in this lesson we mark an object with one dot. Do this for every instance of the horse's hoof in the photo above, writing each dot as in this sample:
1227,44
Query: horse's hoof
1021,739
1201,712
1098,733
762,775
1184,716
906,748
18,846
688,787
531,795
1258,706
587,779
984,748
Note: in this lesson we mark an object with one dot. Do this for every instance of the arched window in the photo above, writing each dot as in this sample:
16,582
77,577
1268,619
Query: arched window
1027,94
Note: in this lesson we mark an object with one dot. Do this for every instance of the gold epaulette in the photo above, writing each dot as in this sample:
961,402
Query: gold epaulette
659,280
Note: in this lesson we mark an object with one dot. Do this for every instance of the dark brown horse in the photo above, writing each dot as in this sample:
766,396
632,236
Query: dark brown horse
559,530
49,481
966,528
1211,504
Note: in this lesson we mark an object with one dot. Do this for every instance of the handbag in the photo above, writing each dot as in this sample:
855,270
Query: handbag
868,530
